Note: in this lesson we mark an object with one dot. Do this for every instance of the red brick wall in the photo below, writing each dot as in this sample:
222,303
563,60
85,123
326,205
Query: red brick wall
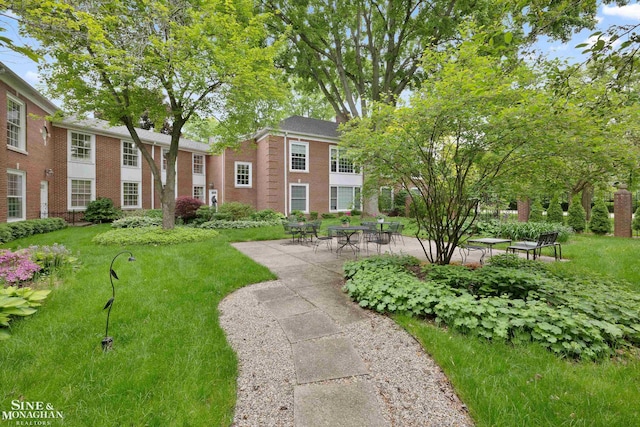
185,173
270,173
37,158
108,167
246,153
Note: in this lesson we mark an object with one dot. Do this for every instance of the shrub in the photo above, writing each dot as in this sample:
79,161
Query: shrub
399,203
153,236
269,215
554,212
205,213
530,230
225,224
328,216
576,216
136,222
16,230
600,222
313,215
186,207
237,210
636,220
101,210
535,214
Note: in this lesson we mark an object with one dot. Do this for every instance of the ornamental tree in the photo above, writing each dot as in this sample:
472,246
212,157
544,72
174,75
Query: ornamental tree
173,60
466,133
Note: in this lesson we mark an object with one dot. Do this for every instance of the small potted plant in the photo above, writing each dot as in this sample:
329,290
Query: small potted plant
302,219
345,220
380,219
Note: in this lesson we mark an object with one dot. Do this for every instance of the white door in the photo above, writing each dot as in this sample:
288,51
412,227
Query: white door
44,199
213,199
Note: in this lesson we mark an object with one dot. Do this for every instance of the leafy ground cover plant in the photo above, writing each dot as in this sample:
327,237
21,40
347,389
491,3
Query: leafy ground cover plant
137,222
17,230
20,302
506,304
153,236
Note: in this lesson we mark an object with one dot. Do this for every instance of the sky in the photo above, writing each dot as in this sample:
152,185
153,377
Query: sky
607,16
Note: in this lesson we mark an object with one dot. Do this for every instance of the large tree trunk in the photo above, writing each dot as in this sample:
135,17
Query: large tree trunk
587,199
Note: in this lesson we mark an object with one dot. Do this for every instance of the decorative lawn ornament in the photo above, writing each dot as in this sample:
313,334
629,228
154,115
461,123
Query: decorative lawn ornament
107,342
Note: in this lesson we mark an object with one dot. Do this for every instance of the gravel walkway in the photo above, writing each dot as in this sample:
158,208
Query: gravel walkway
394,382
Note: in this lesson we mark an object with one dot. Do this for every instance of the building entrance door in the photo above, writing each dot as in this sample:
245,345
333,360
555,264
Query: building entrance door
213,199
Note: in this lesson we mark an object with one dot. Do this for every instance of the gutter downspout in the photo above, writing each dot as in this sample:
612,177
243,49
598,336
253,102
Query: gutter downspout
286,178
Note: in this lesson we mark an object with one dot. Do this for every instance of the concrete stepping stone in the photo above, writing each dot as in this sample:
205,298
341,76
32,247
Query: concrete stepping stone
287,307
314,324
279,292
334,302
326,359
337,405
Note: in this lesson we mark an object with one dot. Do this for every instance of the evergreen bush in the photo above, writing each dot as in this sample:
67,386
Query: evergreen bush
237,210
600,222
576,216
554,212
101,210
535,214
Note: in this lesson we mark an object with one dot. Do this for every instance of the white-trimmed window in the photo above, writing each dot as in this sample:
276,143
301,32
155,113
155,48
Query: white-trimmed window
81,147
130,154
16,126
16,182
198,192
344,198
131,195
81,193
299,197
299,156
243,173
198,164
340,163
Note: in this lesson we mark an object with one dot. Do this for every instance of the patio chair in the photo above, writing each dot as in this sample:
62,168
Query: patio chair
328,239
380,239
395,228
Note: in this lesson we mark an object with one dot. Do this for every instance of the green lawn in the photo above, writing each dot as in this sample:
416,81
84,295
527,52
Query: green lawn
526,385
171,364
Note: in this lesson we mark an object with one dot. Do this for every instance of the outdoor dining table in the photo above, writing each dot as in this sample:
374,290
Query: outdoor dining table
348,233
489,242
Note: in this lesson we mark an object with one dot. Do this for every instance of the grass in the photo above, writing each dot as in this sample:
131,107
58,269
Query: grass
171,364
525,385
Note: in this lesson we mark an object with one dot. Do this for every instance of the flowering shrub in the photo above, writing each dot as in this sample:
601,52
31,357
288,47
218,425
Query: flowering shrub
16,267
51,258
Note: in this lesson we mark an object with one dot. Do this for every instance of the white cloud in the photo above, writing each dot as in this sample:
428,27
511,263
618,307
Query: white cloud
630,11
32,78
593,39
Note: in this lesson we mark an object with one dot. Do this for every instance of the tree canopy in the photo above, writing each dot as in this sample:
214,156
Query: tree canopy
362,51
483,124
171,60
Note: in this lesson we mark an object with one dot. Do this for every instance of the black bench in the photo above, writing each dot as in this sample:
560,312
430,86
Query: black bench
544,240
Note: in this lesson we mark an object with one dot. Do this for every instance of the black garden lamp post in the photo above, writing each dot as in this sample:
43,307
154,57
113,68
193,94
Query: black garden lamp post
107,342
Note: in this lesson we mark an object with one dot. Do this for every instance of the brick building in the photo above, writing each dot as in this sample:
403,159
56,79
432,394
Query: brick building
296,166
54,169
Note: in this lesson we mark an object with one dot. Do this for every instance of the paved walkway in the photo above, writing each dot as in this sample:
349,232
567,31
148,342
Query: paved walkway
337,377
